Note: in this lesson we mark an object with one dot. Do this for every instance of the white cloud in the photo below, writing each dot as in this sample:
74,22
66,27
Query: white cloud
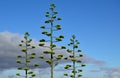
7,73
9,50
113,72
105,72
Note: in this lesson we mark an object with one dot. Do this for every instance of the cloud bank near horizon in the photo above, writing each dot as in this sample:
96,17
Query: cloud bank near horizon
9,50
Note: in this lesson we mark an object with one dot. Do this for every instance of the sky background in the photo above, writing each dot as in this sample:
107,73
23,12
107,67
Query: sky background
96,24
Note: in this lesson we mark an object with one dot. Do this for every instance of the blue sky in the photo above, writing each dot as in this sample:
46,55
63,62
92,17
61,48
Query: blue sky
96,24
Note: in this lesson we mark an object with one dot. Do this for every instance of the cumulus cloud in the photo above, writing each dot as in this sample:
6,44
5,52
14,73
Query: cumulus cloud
8,73
90,60
9,50
113,72
40,73
107,72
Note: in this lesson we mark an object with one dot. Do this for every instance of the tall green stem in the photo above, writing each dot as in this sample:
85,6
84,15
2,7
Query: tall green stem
51,48
26,58
74,73
51,18
26,65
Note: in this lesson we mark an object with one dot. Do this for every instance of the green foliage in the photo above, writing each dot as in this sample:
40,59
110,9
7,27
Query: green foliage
74,44
49,32
50,27
25,58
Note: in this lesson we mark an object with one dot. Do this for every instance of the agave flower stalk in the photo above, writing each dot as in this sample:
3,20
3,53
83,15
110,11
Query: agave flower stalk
74,51
49,32
25,58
